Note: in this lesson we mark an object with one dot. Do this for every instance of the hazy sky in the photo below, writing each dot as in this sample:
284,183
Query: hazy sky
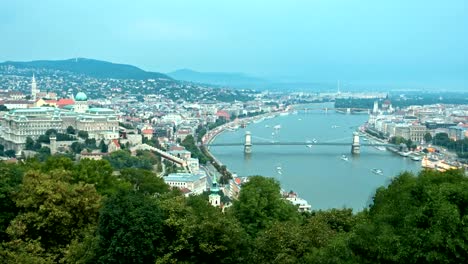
351,40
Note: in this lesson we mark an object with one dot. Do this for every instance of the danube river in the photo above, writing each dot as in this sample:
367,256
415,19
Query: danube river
318,174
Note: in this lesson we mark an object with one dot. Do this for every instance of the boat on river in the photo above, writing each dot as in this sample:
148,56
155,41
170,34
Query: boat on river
309,145
277,127
344,157
404,154
377,171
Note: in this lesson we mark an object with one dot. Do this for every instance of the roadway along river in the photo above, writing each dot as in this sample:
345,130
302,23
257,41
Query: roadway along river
316,173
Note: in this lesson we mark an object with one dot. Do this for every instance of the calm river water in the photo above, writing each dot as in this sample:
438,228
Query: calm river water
317,174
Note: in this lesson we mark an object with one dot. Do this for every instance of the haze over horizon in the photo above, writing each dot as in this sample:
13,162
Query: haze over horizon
409,43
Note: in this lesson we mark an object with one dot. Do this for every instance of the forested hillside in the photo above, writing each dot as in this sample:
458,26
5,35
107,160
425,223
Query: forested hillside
59,211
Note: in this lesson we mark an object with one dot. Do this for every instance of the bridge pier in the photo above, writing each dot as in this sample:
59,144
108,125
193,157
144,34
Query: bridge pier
248,143
348,110
355,147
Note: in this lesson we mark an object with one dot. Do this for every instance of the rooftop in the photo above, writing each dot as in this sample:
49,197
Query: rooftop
185,177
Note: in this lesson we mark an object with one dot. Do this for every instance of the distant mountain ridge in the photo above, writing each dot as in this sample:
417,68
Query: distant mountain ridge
92,68
237,80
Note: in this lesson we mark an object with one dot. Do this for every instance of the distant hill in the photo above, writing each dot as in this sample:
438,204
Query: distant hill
235,80
92,68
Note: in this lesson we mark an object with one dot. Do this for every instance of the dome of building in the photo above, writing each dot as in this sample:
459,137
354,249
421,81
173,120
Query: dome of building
81,97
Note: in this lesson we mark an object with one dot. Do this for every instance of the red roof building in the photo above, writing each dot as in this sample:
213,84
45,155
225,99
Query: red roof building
65,101
223,114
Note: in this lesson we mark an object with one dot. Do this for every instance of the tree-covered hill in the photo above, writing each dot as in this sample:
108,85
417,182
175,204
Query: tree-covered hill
59,211
92,68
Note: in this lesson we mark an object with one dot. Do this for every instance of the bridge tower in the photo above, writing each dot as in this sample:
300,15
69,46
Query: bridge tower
248,143
355,147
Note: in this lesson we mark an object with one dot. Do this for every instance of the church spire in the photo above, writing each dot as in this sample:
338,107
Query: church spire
214,198
34,90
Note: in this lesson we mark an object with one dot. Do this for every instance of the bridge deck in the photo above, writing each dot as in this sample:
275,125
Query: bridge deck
299,144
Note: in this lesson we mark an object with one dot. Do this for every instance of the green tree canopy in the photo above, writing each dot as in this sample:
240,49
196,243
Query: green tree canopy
260,205
416,219
130,229
29,144
70,130
53,211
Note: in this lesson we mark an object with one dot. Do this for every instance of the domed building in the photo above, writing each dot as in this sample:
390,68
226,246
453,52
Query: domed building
81,103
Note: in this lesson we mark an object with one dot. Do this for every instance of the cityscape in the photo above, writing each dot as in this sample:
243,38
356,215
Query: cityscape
348,149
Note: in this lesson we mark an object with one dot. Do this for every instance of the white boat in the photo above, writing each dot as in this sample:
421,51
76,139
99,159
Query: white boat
314,140
284,114
309,145
277,127
380,148
416,158
258,120
377,171
344,157
279,167
267,126
299,119
404,154
279,172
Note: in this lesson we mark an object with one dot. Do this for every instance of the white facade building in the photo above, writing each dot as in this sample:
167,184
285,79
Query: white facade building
19,124
195,182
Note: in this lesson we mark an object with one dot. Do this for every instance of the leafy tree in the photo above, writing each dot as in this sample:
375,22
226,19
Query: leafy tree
122,159
103,147
97,173
51,131
196,232
29,143
90,143
3,108
11,176
427,137
53,211
130,229
10,153
43,153
83,134
77,147
189,144
144,181
409,143
56,163
260,205
19,251
71,130
416,220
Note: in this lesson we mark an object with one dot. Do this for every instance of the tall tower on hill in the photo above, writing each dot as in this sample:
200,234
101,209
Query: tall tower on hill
34,90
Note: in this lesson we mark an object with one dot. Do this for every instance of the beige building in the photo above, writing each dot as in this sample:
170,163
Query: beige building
18,124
